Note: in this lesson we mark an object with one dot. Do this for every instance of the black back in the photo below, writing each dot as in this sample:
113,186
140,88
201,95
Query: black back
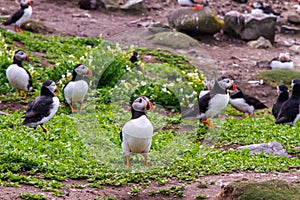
16,16
283,96
290,108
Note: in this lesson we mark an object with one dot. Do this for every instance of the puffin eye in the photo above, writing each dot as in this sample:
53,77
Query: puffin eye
140,100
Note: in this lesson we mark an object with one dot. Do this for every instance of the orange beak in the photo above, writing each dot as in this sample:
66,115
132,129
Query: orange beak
295,0
30,3
234,87
27,59
151,106
251,4
283,58
56,90
90,73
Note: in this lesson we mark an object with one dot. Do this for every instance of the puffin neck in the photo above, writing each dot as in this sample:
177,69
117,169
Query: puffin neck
46,92
137,114
24,6
17,62
76,77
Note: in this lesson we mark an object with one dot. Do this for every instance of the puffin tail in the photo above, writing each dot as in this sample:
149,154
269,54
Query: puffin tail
281,120
7,22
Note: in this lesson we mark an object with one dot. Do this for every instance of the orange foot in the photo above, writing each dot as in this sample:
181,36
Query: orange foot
206,122
198,7
127,162
72,109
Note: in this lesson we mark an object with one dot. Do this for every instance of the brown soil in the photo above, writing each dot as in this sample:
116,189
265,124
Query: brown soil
233,57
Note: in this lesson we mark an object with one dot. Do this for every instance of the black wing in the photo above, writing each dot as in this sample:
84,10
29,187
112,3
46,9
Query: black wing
199,106
288,111
37,109
276,109
250,100
15,17
121,136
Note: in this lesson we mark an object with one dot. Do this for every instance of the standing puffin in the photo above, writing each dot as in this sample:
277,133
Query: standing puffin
245,103
212,103
290,110
22,15
209,83
283,95
42,108
283,61
258,8
197,4
136,134
17,75
75,90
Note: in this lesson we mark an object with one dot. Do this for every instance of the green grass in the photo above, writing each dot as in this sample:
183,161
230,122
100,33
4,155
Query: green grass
278,77
87,145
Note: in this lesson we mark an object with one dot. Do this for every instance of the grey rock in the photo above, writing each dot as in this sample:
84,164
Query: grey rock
260,43
289,30
250,27
295,48
133,5
174,40
274,148
294,18
194,21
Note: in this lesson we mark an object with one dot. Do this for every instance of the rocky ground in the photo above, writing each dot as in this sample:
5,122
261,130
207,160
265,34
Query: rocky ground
230,56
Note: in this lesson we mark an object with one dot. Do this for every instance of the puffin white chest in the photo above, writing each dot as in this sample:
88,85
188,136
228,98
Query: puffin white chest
257,11
52,110
186,2
241,105
217,104
275,64
80,89
17,77
26,15
137,135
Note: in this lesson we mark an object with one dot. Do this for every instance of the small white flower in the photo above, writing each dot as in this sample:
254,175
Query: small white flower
164,89
181,90
143,83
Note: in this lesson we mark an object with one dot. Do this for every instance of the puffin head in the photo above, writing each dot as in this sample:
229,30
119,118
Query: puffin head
296,88
142,104
25,3
294,81
256,5
20,56
227,83
135,53
209,83
284,57
50,85
81,70
282,88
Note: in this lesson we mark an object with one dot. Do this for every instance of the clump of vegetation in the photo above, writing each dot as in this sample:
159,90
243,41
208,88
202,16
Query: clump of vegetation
273,189
278,77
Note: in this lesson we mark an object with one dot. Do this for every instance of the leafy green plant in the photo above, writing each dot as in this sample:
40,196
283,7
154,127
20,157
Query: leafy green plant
31,196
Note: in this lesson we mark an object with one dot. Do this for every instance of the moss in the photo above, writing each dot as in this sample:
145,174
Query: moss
36,27
277,77
271,190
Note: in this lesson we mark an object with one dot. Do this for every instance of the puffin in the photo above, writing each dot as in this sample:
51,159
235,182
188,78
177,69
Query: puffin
258,8
136,135
209,83
297,7
294,81
75,90
283,96
18,76
42,108
195,4
283,61
212,103
290,109
22,15
244,102
134,57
